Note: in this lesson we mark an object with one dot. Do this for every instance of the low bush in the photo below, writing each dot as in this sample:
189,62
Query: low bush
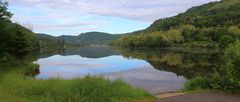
226,79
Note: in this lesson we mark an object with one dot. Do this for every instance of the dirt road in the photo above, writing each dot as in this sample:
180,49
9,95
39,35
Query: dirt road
197,97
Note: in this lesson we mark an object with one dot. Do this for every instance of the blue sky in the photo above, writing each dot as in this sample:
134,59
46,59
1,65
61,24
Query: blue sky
72,17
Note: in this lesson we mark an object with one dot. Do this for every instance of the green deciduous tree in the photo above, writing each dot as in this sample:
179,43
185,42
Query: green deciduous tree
234,31
173,36
225,40
188,32
230,78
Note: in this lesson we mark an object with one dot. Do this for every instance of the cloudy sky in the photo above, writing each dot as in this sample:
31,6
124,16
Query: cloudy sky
72,17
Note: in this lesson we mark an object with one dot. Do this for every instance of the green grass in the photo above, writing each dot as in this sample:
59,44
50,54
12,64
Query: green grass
16,87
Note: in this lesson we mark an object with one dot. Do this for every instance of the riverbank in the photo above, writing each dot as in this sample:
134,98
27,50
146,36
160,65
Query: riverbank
15,86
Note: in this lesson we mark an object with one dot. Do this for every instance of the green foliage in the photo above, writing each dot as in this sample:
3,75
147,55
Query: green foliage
4,20
96,38
195,84
88,89
212,22
154,39
4,14
216,14
20,46
234,31
184,34
225,40
49,43
172,36
189,32
227,78
232,59
10,36
212,81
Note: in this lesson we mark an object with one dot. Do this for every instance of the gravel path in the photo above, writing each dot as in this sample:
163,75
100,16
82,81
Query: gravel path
197,97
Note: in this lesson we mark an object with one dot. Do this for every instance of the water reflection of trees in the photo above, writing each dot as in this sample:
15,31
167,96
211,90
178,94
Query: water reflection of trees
86,51
33,72
188,64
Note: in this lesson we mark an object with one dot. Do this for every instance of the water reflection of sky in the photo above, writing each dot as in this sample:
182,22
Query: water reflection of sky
150,79
138,73
77,66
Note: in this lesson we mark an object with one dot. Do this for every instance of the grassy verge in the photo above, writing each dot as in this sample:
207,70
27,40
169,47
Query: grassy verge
16,87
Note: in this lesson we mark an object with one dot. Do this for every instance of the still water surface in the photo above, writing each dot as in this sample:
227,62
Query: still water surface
154,71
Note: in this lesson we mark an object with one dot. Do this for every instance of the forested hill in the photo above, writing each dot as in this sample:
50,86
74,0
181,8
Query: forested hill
215,23
82,39
215,14
97,37
16,41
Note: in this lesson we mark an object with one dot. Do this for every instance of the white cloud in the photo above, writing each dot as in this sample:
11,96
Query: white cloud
53,27
144,10
75,15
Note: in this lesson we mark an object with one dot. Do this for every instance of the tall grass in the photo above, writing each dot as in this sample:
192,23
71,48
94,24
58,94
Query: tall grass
88,89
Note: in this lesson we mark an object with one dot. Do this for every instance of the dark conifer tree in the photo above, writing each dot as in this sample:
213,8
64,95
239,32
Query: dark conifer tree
4,36
20,46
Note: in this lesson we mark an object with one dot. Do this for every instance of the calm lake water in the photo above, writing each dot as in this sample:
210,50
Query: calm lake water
155,71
